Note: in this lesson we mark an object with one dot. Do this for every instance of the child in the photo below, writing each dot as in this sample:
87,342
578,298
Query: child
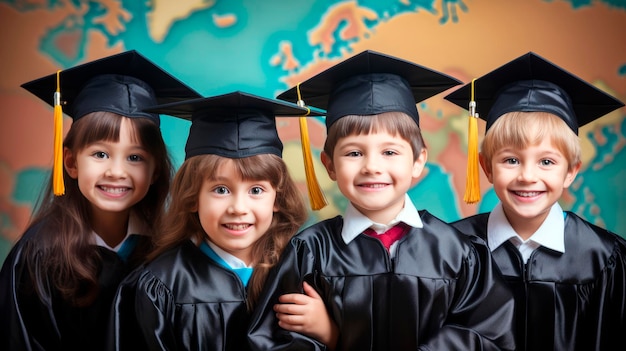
58,281
431,288
233,209
568,275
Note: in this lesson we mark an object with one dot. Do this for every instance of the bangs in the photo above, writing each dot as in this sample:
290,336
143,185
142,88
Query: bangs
520,130
95,127
258,167
106,126
394,123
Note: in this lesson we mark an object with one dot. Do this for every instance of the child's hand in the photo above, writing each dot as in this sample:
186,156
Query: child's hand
306,314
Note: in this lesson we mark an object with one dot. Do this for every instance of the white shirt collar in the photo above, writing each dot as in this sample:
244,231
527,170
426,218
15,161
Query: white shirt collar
231,260
134,227
354,222
551,233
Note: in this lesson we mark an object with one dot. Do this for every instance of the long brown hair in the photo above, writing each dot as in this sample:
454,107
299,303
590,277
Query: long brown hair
182,222
63,249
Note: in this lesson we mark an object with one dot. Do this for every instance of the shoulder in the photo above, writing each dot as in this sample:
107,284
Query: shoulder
436,225
591,236
186,275
30,239
325,233
183,264
324,227
473,225
462,237
174,260
33,232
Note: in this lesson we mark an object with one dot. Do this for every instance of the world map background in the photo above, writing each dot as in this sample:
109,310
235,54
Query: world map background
265,47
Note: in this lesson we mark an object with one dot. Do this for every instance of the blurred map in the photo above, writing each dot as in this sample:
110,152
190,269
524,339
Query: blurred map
265,47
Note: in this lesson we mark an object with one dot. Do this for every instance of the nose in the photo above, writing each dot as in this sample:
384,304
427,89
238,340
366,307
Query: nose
238,205
371,165
116,169
527,174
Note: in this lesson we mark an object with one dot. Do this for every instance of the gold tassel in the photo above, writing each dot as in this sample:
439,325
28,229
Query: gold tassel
316,196
472,184
58,186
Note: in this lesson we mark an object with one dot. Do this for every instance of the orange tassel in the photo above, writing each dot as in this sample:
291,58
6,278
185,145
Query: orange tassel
58,187
316,196
472,184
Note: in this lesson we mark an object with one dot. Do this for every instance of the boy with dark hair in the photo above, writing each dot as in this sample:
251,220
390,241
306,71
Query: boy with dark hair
392,277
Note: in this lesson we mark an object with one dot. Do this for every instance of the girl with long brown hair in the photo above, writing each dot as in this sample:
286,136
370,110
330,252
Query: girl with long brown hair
58,282
233,209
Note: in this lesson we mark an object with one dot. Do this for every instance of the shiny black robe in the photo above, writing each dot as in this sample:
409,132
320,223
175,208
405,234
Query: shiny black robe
438,293
28,322
182,300
570,301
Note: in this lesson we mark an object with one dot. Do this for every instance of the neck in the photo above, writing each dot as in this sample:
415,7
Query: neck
112,227
525,227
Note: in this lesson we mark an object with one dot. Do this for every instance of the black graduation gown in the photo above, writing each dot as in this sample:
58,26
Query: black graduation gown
182,300
50,323
570,301
438,293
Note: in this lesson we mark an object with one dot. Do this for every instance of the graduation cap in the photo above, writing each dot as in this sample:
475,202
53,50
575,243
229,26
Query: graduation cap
124,83
237,125
370,83
528,83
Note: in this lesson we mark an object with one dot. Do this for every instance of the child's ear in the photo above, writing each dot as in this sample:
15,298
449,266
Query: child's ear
328,164
486,166
571,175
69,161
419,164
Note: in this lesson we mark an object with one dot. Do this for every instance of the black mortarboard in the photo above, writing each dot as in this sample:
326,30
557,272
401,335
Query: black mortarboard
124,83
238,125
233,125
370,83
531,83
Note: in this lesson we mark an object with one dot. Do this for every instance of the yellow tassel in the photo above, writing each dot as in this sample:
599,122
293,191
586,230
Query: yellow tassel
58,187
316,196
472,184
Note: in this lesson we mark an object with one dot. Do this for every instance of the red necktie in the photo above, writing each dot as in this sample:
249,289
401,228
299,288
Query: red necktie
391,235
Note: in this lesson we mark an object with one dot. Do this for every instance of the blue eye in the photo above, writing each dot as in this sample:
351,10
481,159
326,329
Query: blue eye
257,190
221,190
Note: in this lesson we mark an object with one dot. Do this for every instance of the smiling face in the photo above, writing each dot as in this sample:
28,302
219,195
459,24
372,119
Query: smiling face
528,182
112,175
530,158
235,212
374,171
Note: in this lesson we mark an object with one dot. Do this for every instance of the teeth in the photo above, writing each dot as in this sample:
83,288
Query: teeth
114,190
237,226
527,193
375,185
